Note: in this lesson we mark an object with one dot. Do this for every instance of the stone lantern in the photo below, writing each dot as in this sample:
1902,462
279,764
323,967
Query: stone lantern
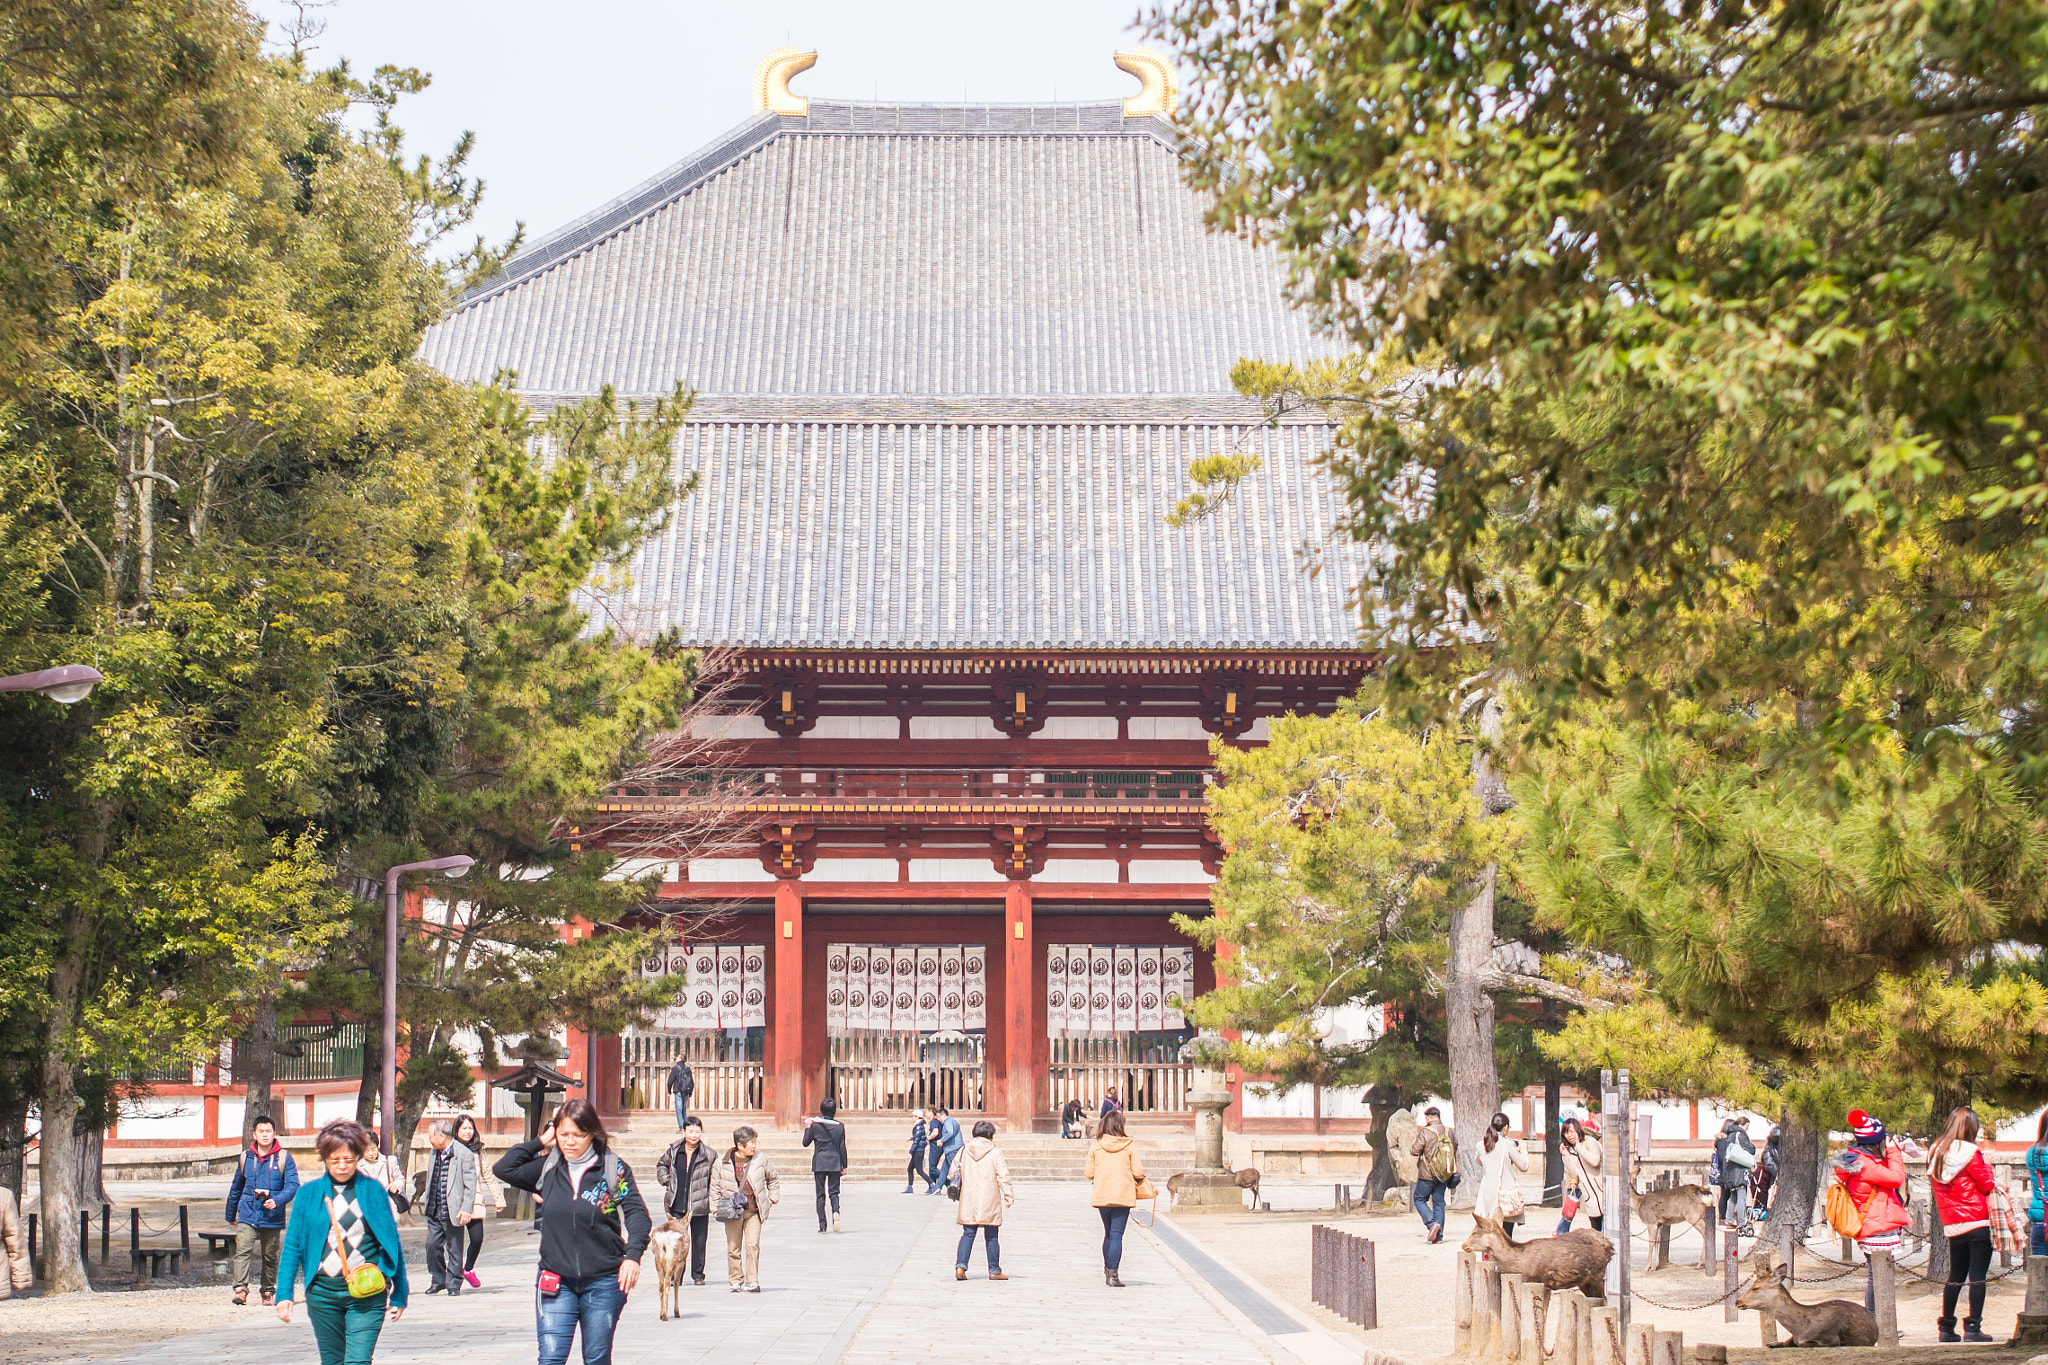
1210,1187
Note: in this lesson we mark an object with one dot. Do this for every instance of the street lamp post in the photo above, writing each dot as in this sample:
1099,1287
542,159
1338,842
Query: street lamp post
453,867
63,685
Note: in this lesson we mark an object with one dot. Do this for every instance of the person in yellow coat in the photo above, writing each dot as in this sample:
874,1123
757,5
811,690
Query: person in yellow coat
1115,1169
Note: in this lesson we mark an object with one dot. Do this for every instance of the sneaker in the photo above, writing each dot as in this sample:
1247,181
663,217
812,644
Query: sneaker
737,1287
753,1289
469,1277
267,1297
696,1279
241,1295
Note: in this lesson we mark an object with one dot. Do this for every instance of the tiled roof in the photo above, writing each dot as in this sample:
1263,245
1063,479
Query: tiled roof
884,250
879,535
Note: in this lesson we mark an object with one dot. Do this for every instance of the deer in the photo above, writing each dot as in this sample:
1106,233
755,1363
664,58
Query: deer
1832,1322
1247,1179
1687,1204
671,1245
1578,1260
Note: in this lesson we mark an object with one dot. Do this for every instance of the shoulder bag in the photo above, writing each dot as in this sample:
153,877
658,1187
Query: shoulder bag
365,1280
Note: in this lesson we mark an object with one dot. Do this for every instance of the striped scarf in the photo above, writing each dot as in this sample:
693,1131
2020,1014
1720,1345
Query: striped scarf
344,1226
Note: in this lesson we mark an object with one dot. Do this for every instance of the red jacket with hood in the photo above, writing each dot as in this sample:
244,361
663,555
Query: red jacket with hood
1962,1188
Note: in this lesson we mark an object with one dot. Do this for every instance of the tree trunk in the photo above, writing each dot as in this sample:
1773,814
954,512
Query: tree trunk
92,1183
14,1145
1383,1099
1553,1154
256,1065
1946,1100
63,1258
1802,1161
373,1076
1475,1082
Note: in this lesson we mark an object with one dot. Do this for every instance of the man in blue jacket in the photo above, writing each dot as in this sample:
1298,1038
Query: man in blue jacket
947,1142
266,1178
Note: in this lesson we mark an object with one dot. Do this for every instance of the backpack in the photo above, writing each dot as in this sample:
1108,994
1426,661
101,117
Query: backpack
1443,1158
1714,1166
612,1167
1845,1216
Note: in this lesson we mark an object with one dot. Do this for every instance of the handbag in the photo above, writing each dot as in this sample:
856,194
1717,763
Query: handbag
1571,1205
1508,1205
364,1281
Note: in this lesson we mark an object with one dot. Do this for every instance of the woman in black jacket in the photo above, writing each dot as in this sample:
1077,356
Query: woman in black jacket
594,1234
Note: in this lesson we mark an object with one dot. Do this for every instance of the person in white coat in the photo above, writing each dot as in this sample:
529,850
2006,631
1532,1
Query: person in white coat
1499,1195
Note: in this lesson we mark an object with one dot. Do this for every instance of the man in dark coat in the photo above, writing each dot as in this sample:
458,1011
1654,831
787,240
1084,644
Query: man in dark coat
682,1083
685,1172
826,1137
918,1131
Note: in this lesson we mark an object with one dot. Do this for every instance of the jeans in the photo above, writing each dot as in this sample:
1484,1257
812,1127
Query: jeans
942,1166
345,1328
682,1111
2037,1238
1593,1221
256,1256
1429,1202
1734,1206
966,1252
591,1302
1969,1257
1114,1216
444,1254
827,1183
917,1168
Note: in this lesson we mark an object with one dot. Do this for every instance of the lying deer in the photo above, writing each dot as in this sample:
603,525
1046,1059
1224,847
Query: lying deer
671,1246
1687,1204
1832,1322
1247,1179
1577,1260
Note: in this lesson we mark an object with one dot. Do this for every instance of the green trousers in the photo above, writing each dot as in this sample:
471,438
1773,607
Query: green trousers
345,1328
256,1256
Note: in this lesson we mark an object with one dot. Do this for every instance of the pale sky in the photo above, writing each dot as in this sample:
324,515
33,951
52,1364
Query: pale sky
572,104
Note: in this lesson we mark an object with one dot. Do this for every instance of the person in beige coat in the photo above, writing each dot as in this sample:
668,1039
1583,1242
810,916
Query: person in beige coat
743,1183
1583,1187
21,1274
1115,1169
985,1191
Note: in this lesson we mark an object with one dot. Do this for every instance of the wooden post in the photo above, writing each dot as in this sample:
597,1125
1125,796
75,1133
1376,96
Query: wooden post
1513,1315
106,1231
35,1265
1369,1286
135,1229
1707,1238
1637,1339
1491,1286
1882,1277
786,963
185,1231
1663,1258
1570,1304
1535,1308
1023,999
1667,1348
1619,1215
1731,1252
1606,1337
1316,1261
1461,1304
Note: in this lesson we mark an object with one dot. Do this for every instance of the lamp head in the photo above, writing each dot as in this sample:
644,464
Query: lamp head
457,865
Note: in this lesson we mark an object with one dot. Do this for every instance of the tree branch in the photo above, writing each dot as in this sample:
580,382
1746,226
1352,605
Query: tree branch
1493,979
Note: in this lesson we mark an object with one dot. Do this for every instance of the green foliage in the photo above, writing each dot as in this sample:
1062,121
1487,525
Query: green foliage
1856,941
1731,320
1350,841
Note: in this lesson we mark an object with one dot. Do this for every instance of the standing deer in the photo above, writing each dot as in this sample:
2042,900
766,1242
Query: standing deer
1577,1260
1687,1204
1832,1322
671,1246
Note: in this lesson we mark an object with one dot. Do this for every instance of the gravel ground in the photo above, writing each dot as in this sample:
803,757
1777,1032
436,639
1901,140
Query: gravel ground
1414,1277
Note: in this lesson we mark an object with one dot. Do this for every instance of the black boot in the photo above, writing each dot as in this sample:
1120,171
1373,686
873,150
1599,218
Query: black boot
1973,1330
1946,1327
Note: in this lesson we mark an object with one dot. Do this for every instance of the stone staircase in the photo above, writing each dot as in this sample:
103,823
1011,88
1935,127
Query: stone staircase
877,1148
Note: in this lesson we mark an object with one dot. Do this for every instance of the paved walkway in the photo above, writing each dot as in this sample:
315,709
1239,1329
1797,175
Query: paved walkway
883,1291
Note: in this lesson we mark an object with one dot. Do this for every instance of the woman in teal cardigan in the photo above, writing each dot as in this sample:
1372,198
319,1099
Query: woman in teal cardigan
339,1222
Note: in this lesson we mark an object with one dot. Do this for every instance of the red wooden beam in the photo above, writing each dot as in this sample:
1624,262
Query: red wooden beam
912,892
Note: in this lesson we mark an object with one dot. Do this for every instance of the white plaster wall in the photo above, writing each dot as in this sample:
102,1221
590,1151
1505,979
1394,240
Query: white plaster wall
852,870
729,870
1169,872
1168,727
854,727
954,727
182,1118
1078,727
1078,870
746,725
954,870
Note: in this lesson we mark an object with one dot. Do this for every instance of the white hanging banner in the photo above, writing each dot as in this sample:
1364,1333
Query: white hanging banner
703,989
1055,990
1101,975
927,990
1177,982
655,963
974,987
1126,1003
835,990
729,983
856,987
754,1010
903,992
952,1000
1149,1015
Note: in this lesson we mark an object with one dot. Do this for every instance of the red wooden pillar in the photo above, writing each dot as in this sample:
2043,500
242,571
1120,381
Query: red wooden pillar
787,1062
1020,1005
1233,1117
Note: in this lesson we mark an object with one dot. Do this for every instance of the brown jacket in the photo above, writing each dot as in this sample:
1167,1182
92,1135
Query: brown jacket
20,1274
1582,1172
761,1179
1114,1167
985,1189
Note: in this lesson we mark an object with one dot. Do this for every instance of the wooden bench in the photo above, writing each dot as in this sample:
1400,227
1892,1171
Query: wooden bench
218,1244
157,1258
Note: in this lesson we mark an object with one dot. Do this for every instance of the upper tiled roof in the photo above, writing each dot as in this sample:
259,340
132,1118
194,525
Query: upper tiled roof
887,535
882,250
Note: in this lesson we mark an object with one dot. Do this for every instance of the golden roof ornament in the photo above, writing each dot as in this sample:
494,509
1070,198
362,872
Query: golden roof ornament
1161,93
772,77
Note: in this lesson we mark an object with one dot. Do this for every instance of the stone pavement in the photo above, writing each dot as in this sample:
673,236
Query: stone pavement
881,1291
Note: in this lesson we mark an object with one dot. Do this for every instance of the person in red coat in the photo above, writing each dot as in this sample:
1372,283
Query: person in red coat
1961,1178
1873,1171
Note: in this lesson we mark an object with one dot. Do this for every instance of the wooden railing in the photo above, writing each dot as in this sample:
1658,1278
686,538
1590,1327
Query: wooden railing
1150,1078
727,1071
902,1071
746,786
